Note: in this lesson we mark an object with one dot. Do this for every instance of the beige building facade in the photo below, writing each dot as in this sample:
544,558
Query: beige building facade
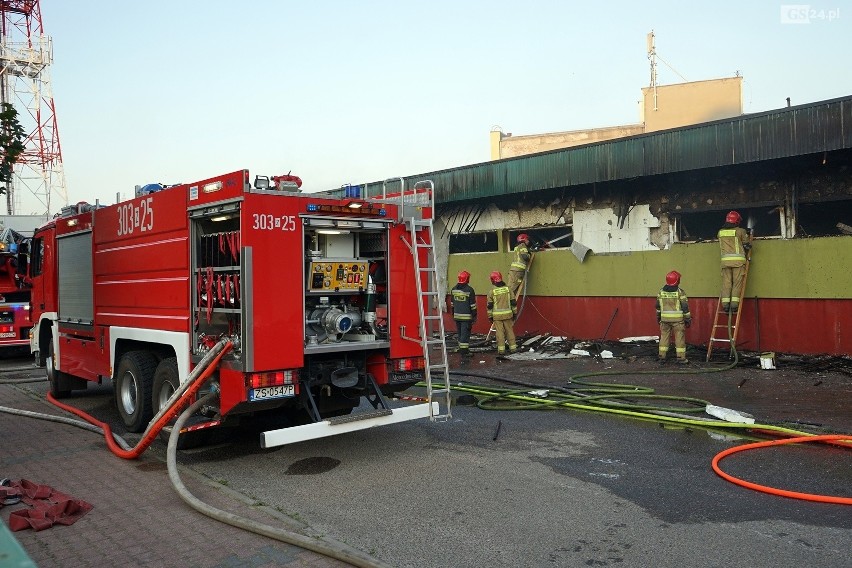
661,107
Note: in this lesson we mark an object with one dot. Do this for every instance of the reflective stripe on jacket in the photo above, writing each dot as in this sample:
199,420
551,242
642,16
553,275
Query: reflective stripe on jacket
672,305
464,302
731,244
500,304
522,257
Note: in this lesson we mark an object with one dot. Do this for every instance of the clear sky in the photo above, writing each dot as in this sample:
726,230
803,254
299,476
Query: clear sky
349,91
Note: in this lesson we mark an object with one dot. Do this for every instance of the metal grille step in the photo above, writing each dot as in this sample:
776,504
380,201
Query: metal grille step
360,416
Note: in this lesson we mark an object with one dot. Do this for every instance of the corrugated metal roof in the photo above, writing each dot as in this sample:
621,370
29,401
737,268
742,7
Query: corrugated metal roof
805,129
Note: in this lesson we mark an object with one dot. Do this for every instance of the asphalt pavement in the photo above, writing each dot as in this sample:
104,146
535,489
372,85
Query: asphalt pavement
487,488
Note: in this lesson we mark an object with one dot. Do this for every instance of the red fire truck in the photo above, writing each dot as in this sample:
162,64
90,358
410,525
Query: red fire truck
326,300
15,320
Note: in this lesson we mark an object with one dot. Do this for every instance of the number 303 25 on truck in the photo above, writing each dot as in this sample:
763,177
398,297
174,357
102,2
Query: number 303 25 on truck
317,294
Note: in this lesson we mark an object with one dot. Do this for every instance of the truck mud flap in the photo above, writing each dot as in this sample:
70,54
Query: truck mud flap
325,428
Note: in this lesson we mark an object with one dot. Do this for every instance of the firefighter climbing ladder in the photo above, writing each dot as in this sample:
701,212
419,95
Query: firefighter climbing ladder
729,328
432,334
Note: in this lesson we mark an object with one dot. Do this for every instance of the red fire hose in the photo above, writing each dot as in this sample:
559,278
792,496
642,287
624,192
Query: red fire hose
782,492
182,396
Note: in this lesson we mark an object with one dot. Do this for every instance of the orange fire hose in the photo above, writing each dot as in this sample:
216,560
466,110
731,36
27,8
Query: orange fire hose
783,492
153,431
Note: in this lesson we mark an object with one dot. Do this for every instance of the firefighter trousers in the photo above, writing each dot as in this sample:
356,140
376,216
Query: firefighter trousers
732,283
516,280
678,329
505,334
463,329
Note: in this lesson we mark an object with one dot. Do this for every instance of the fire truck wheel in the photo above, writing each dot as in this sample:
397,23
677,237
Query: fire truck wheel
166,382
58,382
132,387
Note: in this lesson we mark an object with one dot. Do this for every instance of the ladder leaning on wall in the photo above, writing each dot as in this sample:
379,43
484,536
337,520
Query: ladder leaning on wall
522,291
732,327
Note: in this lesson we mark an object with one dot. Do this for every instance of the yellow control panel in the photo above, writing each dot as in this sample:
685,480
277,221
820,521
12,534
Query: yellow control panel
333,276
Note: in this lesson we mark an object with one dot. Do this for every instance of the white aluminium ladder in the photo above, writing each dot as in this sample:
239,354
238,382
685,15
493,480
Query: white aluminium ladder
432,333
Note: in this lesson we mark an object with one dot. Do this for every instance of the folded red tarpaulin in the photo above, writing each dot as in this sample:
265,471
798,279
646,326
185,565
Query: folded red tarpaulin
50,507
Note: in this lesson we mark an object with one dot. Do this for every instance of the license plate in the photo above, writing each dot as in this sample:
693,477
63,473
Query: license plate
8,334
265,393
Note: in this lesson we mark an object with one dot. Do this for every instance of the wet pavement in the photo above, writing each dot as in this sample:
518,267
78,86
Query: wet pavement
820,401
489,488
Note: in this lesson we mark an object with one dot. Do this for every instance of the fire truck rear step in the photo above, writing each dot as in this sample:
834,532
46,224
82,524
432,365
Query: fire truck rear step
274,438
360,416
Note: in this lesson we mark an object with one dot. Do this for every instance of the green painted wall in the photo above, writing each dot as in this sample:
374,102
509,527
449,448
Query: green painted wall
813,268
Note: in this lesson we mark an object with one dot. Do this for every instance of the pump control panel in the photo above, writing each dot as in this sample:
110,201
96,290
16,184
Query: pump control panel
337,275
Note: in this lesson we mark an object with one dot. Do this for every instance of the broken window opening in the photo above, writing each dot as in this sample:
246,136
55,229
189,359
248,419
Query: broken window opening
705,225
485,241
545,237
824,219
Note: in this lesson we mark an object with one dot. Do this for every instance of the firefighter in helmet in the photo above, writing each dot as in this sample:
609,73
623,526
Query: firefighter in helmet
502,311
673,316
464,310
735,242
519,266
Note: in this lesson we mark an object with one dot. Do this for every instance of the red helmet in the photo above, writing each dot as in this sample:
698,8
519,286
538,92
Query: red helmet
733,218
496,277
464,277
673,278
523,238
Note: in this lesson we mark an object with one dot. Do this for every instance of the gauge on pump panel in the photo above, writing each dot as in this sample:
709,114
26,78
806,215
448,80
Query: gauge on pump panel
328,268
326,283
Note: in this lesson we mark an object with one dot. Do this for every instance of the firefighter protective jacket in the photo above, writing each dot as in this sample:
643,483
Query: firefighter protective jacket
464,302
501,305
672,305
733,241
522,257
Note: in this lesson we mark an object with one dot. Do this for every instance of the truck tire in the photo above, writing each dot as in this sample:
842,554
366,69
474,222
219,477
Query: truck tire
132,386
166,382
58,381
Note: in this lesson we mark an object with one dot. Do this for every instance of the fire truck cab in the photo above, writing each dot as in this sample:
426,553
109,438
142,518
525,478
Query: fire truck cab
15,322
320,296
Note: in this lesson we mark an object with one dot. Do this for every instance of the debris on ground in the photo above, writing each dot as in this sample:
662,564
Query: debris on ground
535,346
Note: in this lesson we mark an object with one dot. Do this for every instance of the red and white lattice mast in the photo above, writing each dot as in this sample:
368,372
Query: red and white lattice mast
25,57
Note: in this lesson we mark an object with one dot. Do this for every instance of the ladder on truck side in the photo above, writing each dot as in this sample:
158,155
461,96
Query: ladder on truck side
729,335
432,336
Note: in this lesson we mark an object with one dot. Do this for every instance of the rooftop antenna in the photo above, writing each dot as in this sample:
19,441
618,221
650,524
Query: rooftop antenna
652,56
